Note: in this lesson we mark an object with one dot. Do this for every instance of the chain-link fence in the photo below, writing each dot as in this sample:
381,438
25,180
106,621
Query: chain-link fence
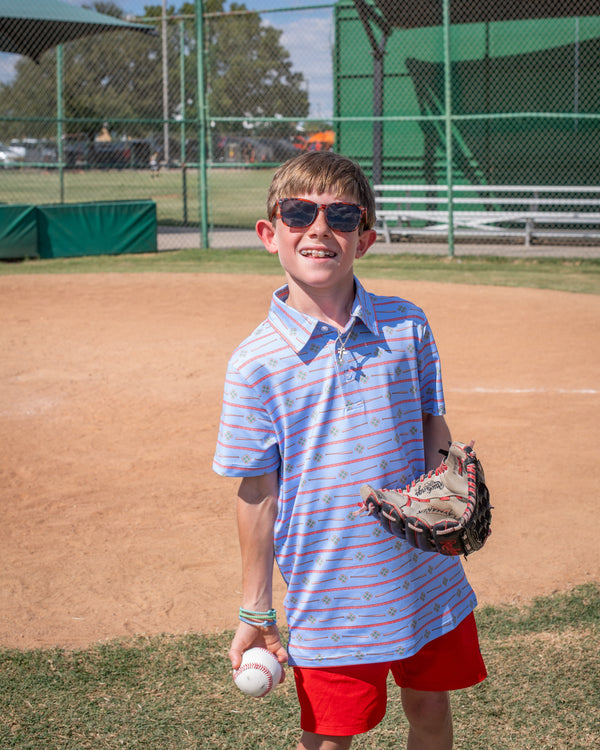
440,92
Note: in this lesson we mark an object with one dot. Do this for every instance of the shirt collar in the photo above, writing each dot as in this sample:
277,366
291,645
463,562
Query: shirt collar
297,329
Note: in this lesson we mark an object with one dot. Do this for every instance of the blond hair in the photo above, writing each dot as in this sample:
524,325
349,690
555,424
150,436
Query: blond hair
322,172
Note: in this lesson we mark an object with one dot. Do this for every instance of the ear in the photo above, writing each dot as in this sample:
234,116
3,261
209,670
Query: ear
266,232
365,240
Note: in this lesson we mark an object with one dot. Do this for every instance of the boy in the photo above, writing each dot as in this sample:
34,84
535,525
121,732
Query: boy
338,388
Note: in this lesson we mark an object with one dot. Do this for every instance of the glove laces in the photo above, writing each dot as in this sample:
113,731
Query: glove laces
433,473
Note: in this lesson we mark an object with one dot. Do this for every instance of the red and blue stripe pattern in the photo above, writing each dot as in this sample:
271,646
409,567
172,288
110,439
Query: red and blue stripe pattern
328,424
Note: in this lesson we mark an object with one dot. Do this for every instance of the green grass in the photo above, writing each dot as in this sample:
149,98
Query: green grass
569,275
237,196
176,693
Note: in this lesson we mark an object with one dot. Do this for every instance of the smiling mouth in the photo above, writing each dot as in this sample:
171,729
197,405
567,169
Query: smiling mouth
317,254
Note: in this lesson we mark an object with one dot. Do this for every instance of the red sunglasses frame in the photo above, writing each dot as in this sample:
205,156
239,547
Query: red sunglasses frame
321,206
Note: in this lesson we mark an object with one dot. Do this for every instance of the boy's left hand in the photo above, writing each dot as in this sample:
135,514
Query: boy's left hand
446,511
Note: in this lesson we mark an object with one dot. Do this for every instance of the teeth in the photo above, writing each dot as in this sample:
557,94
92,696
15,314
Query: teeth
318,254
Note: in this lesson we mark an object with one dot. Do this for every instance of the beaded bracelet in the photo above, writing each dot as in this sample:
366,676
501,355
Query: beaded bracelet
259,619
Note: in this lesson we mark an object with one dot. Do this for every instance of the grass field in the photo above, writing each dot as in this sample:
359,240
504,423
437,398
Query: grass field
569,275
176,693
237,196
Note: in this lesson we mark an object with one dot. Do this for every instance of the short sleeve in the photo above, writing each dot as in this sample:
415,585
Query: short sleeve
430,374
247,443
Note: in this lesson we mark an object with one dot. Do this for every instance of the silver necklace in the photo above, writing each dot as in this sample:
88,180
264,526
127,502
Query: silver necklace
343,341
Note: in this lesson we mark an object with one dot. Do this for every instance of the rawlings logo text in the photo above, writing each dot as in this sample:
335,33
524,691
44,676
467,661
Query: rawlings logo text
428,487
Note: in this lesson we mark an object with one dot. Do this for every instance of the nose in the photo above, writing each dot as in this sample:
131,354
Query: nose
320,225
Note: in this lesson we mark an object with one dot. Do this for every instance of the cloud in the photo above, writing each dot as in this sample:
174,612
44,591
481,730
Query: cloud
309,42
7,67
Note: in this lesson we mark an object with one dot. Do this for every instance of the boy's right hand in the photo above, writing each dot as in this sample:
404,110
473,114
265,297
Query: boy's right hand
248,636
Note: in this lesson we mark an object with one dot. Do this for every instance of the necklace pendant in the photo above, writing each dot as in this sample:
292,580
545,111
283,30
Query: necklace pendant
342,343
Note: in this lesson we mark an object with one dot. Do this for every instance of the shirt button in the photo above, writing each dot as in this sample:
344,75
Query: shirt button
348,375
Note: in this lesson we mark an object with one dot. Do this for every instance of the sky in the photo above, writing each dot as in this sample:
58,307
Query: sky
308,37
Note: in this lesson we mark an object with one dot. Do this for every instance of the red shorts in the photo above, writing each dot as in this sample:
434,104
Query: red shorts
343,701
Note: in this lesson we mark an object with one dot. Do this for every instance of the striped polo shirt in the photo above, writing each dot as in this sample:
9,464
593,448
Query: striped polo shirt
330,412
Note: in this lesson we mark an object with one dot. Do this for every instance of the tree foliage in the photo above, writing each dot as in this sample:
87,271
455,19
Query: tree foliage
116,77
240,48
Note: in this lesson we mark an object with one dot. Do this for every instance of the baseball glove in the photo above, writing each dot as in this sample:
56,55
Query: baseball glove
447,510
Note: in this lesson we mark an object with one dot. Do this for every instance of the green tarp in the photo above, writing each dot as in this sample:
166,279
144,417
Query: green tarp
110,228
75,229
18,232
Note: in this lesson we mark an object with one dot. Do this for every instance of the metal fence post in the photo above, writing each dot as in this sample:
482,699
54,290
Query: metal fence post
183,116
165,85
201,96
60,148
448,121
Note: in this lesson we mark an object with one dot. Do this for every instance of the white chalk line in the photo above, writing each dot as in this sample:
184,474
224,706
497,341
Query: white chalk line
541,391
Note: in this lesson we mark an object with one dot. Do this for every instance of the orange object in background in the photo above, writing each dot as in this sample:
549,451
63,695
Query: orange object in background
322,141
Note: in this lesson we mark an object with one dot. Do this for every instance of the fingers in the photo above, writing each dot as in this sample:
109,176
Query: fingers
245,637
272,641
248,636
235,657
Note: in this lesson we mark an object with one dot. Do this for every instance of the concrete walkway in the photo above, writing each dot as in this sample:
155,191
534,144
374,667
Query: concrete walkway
179,238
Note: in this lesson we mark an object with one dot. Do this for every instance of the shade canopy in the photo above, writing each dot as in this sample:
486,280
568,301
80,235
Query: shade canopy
412,14
30,27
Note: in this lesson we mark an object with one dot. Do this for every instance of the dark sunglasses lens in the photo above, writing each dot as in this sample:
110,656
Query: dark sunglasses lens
344,217
297,213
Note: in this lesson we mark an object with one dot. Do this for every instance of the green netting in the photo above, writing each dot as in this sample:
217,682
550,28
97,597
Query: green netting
523,94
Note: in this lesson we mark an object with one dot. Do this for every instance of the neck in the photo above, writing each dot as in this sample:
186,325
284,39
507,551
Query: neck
332,308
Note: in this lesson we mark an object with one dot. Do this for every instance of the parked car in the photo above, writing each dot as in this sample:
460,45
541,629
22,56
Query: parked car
253,150
11,156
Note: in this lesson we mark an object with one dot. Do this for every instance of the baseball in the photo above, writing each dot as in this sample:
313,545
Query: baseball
259,672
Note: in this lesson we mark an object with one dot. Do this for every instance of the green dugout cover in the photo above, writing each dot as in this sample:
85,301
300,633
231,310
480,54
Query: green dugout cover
18,232
98,228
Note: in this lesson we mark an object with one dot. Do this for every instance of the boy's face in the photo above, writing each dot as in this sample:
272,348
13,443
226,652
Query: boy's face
316,257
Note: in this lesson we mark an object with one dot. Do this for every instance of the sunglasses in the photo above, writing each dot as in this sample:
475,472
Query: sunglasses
299,213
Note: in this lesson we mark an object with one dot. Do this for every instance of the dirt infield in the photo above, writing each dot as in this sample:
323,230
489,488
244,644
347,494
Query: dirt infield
112,520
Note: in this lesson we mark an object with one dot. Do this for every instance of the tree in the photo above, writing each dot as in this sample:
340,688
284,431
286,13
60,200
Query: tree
117,78
110,76
249,72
